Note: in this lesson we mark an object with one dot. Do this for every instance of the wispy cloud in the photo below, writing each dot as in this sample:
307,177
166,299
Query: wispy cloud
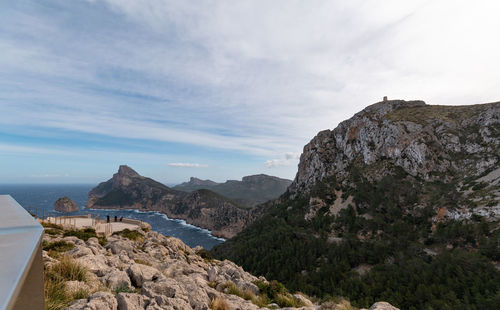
187,165
288,159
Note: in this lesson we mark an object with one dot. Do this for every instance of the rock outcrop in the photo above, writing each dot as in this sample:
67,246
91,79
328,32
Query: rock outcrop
158,272
433,143
64,204
250,191
204,208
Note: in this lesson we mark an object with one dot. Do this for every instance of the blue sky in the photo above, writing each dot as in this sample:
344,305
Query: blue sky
219,89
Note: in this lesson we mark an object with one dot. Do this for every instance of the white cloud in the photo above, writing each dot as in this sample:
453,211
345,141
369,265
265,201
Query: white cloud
289,159
187,165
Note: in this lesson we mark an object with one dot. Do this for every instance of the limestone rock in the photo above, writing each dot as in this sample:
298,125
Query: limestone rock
141,273
96,301
117,279
95,263
64,204
382,305
131,301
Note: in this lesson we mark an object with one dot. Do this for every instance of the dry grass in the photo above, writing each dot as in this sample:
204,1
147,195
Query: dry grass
68,270
340,304
142,262
56,295
219,304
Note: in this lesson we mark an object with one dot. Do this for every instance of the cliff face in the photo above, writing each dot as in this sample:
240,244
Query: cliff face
250,191
432,143
129,190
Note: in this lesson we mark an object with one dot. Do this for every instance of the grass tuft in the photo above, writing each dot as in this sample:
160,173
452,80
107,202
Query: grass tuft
142,262
219,304
67,269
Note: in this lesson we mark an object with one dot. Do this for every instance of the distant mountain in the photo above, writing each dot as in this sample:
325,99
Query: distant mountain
250,191
401,201
204,208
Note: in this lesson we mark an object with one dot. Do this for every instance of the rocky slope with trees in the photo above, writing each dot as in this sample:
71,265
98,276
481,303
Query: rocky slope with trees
401,202
146,270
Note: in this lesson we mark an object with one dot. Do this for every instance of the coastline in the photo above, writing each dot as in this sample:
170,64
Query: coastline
182,221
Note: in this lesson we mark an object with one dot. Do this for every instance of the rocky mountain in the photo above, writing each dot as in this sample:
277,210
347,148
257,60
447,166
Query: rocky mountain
146,270
250,191
397,202
204,208
64,204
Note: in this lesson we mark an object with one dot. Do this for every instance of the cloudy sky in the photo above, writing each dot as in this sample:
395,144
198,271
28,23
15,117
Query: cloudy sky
219,89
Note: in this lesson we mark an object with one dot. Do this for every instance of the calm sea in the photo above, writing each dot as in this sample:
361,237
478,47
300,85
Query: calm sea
42,197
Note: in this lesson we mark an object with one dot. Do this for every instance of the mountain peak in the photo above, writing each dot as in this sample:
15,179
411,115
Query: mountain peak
384,107
125,170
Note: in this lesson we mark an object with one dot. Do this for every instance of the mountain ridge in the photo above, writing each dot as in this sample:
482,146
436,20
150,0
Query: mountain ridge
250,191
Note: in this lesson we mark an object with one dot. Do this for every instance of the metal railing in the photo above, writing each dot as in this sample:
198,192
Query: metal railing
21,266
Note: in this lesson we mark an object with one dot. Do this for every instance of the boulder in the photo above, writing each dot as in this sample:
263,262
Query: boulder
117,279
167,287
141,273
131,301
95,263
64,204
382,305
96,301
212,274
80,251
116,246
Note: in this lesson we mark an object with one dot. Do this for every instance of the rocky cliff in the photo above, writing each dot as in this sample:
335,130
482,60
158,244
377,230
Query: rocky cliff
250,191
384,203
204,208
451,144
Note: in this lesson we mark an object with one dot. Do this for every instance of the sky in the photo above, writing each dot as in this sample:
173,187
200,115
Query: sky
219,89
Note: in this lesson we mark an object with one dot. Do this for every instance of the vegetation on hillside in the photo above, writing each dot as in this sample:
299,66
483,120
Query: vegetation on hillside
388,232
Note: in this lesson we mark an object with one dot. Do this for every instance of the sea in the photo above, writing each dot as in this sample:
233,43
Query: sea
40,198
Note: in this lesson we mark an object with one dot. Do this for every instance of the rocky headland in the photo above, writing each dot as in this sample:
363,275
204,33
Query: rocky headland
203,208
64,204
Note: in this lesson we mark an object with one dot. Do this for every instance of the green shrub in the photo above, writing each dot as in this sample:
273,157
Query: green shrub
205,254
57,247
51,225
84,234
124,289
52,232
133,235
103,241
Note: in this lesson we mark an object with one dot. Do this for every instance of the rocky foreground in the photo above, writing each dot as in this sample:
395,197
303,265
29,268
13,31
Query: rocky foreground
153,271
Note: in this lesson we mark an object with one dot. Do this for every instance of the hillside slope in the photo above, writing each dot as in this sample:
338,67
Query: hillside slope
250,191
400,202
